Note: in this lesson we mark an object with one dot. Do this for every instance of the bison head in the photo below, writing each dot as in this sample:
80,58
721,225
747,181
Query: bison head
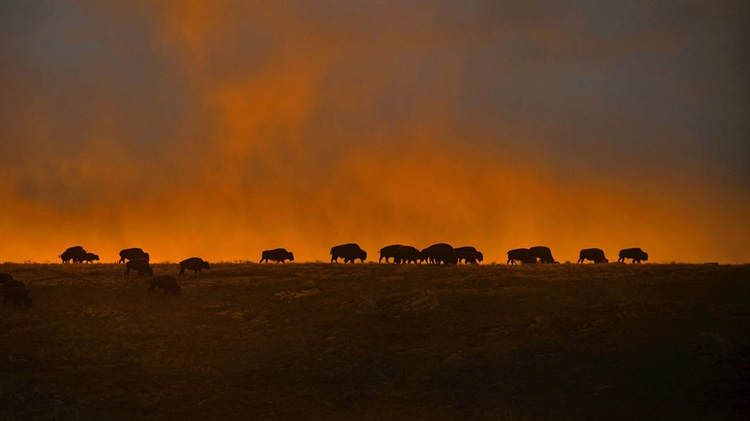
645,256
362,255
145,256
206,265
95,257
291,256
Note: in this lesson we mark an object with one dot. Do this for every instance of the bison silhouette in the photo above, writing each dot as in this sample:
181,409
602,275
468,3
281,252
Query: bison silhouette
440,253
407,254
520,255
276,255
388,252
595,255
634,253
544,254
196,264
477,254
141,265
75,253
167,282
349,252
467,257
133,253
90,257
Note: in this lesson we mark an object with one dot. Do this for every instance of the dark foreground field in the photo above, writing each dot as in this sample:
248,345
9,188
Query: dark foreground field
379,342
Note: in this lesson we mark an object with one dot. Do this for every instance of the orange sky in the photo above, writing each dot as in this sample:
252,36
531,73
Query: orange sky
220,130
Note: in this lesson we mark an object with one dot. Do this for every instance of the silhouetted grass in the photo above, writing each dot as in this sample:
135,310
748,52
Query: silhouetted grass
379,342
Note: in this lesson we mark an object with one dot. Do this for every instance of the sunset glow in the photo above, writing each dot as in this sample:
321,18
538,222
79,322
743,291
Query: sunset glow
223,129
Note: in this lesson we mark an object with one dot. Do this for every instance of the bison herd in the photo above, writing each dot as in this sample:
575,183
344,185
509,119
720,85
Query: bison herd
137,260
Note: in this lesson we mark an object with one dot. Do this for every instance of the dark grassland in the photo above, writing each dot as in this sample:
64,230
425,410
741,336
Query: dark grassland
379,342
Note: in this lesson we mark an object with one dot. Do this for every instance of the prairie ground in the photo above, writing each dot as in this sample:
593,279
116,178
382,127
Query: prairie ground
379,342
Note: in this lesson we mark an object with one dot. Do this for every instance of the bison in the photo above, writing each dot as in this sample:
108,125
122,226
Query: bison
4,277
407,254
131,254
350,252
633,253
90,257
141,265
440,253
167,282
17,294
388,252
544,254
520,255
195,264
74,253
477,254
595,255
277,255
467,257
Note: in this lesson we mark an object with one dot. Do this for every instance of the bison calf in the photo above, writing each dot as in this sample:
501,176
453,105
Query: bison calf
277,255
195,264
167,282
17,294
141,265
90,257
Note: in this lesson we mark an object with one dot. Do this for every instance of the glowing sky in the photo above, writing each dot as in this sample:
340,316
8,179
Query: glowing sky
222,129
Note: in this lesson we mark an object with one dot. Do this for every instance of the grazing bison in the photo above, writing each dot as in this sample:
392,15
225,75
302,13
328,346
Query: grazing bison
407,254
477,254
75,254
633,253
440,253
17,294
350,252
595,255
388,252
90,257
467,257
195,264
167,282
277,255
133,253
520,255
141,265
544,254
